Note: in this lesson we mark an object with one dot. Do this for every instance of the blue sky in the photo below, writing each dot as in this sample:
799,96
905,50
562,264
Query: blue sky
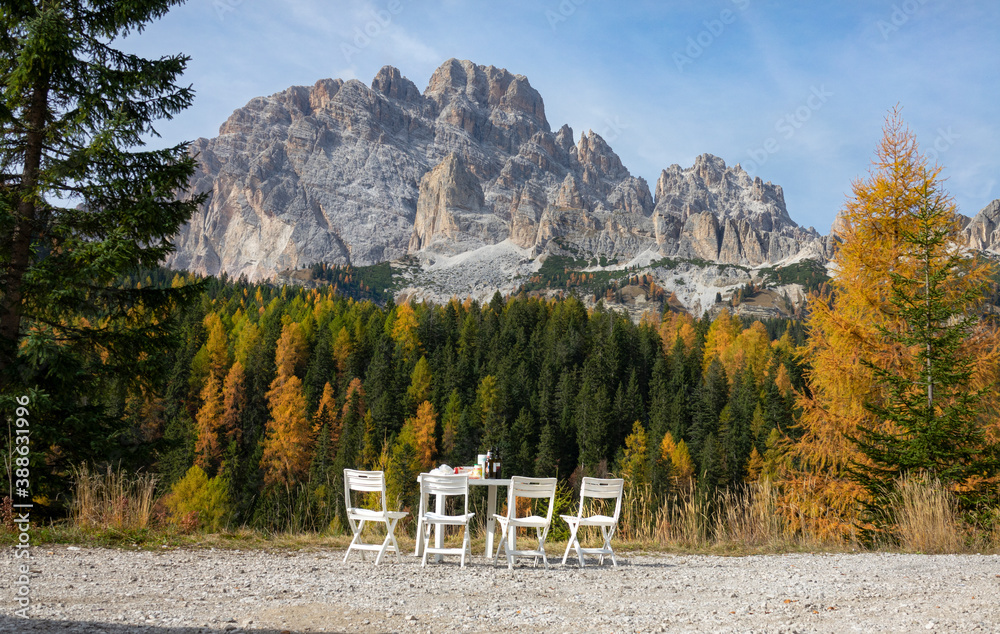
796,92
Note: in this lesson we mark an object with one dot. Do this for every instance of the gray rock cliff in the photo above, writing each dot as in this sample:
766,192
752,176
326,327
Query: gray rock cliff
341,172
982,231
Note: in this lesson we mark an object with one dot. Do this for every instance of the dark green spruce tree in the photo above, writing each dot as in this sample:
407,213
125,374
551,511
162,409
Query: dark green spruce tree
82,205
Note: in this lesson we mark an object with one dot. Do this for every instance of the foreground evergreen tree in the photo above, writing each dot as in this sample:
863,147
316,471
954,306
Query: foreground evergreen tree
932,421
81,207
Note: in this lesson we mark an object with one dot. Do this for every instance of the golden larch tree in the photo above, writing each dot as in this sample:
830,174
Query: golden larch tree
422,427
233,402
634,466
404,330
719,342
677,455
217,346
342,352
419,389
287,443
208,445
287,435
846,326
326,416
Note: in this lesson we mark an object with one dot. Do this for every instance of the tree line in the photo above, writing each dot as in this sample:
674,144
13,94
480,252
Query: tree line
278,390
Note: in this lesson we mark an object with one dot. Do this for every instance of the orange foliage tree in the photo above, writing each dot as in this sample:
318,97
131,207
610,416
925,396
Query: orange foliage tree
846,326
207,446
326,416
676,326
287,440
209,420
233,401
422,427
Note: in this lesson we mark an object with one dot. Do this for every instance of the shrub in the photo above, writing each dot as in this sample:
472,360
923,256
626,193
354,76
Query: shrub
197,501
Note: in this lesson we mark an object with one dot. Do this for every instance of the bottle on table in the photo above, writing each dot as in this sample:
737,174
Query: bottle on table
497,474
488,470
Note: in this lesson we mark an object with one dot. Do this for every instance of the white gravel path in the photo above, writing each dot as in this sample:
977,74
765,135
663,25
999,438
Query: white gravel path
174,591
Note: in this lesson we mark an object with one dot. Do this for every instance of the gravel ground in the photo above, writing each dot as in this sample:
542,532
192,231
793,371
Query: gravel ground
175,591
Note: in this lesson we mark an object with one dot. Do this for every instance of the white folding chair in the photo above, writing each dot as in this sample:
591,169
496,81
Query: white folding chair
443,487
595,488
534,488
369,482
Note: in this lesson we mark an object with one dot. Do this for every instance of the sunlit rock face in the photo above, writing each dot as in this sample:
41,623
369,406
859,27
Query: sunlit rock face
345,173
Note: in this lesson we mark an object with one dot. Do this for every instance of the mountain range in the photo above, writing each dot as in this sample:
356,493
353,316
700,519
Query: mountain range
466,190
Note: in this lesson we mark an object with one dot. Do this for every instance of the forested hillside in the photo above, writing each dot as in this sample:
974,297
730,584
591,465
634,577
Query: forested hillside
278,389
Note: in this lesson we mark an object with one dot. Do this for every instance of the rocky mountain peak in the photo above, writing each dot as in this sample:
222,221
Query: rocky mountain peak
392,84
346,173
750,223
323,92
593,152
450,209
486,87
569,196
710,169
564,137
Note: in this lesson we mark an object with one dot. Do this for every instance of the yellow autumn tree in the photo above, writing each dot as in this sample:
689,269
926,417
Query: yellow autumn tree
719,342
342,352
419,389
326,416
783,380
634,467
291,351
404,330
679,457
217,346
846,335
233,402
421,429
287,435
676,326
208,446
751,351
755,467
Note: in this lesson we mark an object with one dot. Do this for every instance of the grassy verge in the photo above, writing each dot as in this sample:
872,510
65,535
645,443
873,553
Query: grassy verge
116,510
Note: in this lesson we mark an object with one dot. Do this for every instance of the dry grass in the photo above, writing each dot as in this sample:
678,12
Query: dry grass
927,517
747,520
112,499
751,516
744,520
751,519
